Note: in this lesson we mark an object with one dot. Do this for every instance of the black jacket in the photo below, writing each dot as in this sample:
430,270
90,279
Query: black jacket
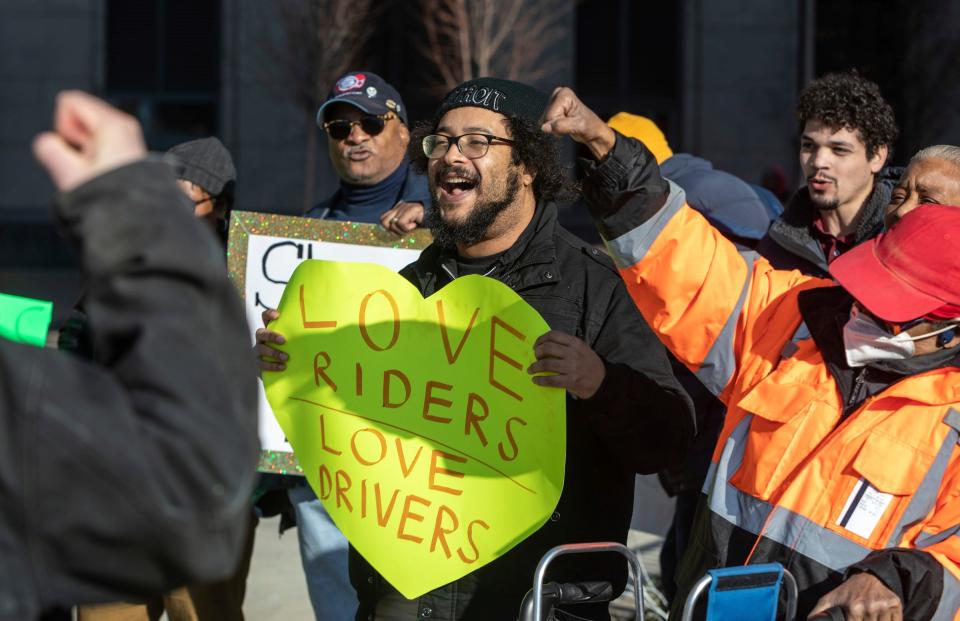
639,421
134,476
790,243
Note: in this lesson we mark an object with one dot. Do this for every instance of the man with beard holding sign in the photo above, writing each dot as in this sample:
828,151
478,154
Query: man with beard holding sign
493,177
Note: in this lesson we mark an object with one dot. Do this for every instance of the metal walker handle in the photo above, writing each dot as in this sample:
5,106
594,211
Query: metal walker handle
578,548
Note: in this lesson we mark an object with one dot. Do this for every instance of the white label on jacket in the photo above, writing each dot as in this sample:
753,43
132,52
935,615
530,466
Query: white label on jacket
863,509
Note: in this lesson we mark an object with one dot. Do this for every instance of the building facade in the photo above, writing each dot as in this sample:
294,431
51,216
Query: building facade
720,77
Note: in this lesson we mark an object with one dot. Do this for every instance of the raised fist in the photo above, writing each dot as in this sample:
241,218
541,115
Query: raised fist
89,137
566,115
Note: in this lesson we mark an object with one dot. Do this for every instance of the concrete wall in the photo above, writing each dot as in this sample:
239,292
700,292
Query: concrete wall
742,67
45,46
930,81
50,45
265,132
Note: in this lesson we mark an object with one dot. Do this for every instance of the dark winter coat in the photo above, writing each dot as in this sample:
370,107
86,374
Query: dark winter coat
638,421
132,476
728,202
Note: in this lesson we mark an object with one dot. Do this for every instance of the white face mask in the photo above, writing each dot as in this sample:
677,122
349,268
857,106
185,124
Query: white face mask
866,341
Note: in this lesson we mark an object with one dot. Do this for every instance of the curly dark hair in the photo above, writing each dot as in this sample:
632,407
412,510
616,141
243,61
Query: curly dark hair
538,151
848,100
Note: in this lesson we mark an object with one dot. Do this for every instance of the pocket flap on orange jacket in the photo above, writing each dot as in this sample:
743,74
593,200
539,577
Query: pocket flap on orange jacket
777,402
890,465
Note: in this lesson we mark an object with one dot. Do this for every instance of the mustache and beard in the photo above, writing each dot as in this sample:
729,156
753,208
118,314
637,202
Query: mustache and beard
823,202
473,227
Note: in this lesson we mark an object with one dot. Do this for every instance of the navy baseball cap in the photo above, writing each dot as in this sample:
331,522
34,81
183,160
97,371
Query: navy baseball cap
368,92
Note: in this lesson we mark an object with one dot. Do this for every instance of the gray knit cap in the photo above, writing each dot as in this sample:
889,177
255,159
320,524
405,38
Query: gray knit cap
207,163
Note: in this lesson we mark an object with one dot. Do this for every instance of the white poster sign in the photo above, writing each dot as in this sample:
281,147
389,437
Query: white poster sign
270,261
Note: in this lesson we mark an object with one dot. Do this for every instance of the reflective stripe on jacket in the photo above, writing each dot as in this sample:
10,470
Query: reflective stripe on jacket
790,481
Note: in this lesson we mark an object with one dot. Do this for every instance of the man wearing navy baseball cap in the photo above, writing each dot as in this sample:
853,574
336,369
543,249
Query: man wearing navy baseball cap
366,91
366,125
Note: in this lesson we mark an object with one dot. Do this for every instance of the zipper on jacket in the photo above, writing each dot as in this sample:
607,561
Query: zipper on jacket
857,387
858,381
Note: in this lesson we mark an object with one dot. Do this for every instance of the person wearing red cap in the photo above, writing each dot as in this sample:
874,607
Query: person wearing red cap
840,453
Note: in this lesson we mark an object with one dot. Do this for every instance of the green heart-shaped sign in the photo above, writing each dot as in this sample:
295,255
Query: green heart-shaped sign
415,420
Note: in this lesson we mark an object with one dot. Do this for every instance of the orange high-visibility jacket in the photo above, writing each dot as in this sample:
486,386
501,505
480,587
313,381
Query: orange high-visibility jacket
791,481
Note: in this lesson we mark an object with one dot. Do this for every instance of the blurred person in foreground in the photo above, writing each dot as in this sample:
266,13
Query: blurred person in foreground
205,173
168,442
839,453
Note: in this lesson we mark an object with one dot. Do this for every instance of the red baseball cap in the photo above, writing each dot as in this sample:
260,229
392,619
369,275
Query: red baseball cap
909,270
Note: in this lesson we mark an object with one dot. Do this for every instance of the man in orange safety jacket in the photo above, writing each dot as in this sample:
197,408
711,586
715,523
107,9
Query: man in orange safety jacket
839,456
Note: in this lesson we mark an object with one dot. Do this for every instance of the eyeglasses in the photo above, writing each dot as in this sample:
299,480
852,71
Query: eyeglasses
372,125
472,146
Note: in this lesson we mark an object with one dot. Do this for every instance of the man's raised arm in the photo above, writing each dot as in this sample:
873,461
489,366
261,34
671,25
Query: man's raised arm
699,294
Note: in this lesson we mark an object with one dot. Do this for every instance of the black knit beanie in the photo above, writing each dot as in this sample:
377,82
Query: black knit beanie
509,98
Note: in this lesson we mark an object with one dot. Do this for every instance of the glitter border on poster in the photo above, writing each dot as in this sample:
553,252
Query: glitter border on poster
246,223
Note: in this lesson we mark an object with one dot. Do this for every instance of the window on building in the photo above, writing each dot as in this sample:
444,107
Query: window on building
163,66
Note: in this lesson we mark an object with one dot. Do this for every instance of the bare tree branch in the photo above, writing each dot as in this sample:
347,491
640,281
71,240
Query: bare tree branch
447,44
509,38
305,45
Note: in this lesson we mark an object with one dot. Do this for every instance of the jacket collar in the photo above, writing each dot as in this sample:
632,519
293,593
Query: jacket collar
825,311
794,229
535,246
408,191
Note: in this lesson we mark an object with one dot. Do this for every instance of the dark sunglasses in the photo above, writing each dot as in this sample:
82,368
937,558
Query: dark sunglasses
372,125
